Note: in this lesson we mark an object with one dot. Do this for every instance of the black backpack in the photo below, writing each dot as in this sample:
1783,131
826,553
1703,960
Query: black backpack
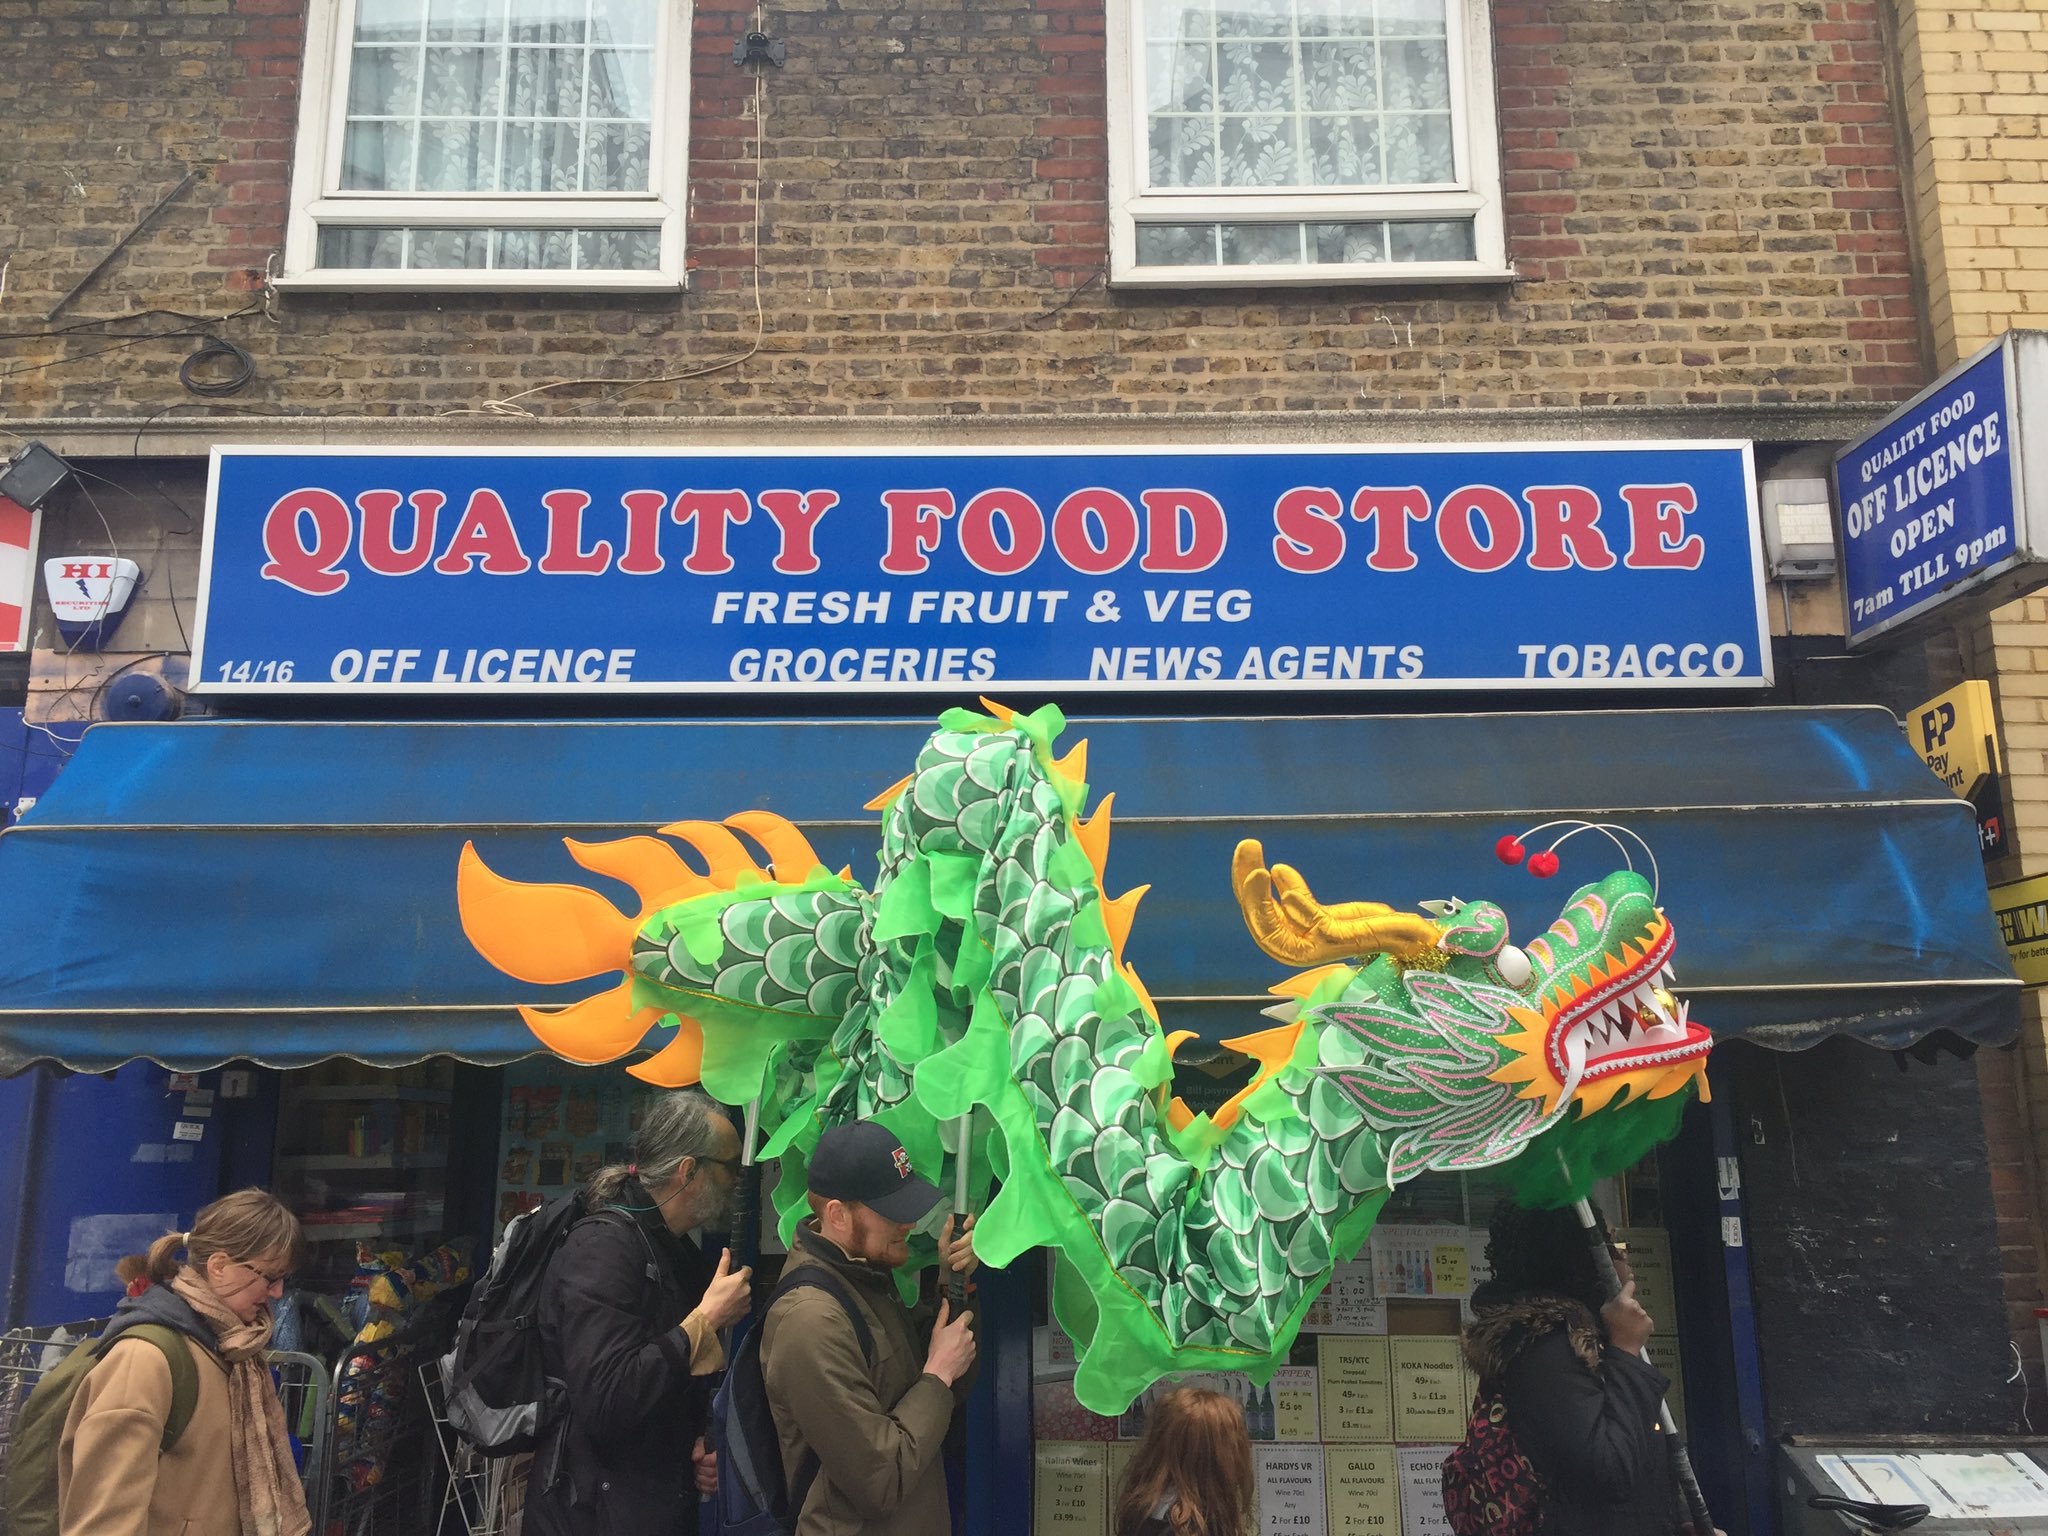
500,1397
754,1498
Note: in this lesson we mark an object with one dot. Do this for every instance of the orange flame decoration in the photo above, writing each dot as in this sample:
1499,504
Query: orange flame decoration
550,934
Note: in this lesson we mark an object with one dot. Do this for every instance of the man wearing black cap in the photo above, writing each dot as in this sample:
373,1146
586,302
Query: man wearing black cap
873,1424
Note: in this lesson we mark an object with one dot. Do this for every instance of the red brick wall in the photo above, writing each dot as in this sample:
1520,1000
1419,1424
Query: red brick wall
1701,201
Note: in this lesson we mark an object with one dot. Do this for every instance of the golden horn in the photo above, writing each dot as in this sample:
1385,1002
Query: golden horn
1288,923
658,876
600,1028
677,1064
1075,764
540,933
790,855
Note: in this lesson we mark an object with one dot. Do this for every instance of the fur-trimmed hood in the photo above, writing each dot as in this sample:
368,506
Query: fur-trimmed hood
1501,1329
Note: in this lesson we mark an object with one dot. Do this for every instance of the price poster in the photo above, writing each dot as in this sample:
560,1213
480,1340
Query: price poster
1421,1260
1422,1490
1072,1490
1429,1389
1364,1490
1296,1415
1290,1490
1349,1304
1357,1389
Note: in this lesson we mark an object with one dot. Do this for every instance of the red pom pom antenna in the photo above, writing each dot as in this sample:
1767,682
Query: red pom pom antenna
1509,850
1543,865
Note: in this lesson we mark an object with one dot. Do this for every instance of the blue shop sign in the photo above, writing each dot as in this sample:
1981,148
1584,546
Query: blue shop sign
1032,571
1931,503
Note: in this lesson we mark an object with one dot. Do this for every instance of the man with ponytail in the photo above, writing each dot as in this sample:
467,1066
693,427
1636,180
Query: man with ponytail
630,1313
228,1469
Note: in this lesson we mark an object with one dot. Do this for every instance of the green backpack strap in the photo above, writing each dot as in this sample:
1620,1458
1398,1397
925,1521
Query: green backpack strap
184,1378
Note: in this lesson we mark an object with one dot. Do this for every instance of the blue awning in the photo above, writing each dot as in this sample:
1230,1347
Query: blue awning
207,890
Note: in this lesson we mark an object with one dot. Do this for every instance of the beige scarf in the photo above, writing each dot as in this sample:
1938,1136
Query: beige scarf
268,1494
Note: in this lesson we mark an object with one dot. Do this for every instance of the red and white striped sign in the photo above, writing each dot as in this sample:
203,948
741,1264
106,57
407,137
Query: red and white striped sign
17,572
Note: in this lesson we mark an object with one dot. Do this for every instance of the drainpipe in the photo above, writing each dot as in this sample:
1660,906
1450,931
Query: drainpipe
33,1139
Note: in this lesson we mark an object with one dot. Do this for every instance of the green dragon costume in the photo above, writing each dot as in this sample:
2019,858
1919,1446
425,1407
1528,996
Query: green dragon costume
981,983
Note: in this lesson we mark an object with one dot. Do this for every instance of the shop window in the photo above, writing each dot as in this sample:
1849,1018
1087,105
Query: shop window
1311,141
491,144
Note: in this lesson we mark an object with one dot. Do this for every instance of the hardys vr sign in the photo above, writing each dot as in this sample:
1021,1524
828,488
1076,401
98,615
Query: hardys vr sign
679,571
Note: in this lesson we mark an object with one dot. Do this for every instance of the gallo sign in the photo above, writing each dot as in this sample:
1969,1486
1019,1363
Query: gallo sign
1938,502
680,571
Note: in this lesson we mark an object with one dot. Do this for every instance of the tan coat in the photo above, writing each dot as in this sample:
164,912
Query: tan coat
879,1430
110,1479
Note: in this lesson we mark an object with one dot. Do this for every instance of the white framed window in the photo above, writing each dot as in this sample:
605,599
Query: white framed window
1302,141
491,144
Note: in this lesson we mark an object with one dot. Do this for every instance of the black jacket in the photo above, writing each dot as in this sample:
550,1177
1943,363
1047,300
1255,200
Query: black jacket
1584,1412
613,1297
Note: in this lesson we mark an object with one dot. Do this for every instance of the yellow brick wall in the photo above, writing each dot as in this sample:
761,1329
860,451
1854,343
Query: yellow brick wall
1974,81
1974,87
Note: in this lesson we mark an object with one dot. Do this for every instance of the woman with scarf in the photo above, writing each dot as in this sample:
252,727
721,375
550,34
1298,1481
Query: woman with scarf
231,1472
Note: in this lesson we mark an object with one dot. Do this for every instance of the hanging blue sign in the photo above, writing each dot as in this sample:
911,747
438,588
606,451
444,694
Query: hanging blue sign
882,571
1931,508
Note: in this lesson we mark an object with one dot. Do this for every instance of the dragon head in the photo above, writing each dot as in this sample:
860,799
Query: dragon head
1600,1020
1589,1021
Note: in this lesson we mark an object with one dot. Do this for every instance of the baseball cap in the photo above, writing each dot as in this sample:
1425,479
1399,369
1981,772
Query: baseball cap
864,1161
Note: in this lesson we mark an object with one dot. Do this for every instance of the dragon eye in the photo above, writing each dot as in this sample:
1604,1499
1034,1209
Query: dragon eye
1513,966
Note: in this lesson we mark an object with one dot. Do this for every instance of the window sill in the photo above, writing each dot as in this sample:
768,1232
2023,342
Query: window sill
1391,275
442,280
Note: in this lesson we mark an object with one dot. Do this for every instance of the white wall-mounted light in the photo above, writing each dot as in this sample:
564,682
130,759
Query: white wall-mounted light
1799,529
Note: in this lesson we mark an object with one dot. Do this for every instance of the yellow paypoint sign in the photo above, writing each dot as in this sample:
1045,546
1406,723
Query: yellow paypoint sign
2021,907
1956,735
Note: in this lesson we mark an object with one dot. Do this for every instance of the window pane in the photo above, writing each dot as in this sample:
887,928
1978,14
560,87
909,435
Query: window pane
1254,18
362,247
1259,152
464,21
1177,78
462,82
622,21
1354,242
387,21
547,21
1411,18
1184,152
1418,76
458,157
545,82
384,82
1344,151
1347,242
536,249
615,157
618,250
441,249
1435,240
1261,245
1176,245
542,157
622,84
1339,77
377,157
1419,149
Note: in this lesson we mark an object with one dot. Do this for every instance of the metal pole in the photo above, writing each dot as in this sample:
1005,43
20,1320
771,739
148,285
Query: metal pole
956,1282
1681,1460
34,1136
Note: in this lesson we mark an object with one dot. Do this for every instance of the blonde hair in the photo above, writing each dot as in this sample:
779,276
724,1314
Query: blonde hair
1195,1449
249,1224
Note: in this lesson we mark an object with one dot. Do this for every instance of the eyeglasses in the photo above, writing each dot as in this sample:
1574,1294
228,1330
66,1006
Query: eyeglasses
264,1275
731,1165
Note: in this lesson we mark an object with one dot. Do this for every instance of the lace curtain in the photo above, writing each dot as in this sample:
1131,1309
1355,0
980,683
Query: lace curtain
500,96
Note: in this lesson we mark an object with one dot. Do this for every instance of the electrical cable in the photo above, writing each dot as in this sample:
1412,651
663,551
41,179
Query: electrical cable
211,347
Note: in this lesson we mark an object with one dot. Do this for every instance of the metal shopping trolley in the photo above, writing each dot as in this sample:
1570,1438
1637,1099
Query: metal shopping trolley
27,1355
482,1491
